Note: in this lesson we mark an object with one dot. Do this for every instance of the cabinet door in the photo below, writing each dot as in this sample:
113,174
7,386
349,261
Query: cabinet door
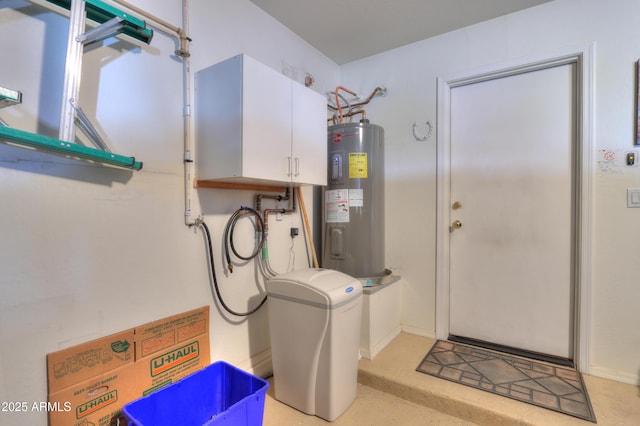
266,128
309,136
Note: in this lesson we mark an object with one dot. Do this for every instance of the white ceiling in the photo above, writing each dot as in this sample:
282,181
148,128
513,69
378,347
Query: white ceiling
346,30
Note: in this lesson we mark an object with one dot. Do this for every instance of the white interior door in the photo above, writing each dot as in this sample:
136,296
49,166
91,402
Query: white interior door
512,151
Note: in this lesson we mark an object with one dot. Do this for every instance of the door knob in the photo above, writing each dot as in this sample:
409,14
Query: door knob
456,224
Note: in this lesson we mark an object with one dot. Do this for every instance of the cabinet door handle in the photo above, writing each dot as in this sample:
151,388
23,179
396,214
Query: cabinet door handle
297,172
289,159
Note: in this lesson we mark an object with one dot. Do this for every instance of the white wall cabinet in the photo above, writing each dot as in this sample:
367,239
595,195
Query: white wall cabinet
255,125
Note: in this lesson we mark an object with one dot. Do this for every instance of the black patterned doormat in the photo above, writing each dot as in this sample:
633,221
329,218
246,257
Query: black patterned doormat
549,386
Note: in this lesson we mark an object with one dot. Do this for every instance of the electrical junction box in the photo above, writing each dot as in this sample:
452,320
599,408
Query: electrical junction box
631,158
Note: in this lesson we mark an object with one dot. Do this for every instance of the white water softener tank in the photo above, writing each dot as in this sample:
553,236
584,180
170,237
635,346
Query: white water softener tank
354,200
314,321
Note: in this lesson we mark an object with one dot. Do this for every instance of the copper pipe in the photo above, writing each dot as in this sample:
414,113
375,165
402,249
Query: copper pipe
350,114
259,198
289,195
366,101
338,100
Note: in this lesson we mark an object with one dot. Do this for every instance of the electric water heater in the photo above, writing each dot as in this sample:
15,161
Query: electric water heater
354,200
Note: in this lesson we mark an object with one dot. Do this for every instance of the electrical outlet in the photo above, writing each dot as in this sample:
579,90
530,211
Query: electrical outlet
633,198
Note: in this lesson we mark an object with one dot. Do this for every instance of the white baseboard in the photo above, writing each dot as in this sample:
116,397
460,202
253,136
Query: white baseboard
370,353
419,331
259,364
619,376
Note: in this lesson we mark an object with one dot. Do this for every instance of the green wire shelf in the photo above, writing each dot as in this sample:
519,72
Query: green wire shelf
67,149
101,12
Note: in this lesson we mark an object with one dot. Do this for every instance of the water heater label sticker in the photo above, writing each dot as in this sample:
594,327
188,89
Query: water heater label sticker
358,165
356,198
336,205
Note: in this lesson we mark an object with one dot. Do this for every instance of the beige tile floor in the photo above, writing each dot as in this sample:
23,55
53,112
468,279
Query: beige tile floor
371,407
391,392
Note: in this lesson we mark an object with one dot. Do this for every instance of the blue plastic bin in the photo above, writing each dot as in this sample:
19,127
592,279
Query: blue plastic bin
219,394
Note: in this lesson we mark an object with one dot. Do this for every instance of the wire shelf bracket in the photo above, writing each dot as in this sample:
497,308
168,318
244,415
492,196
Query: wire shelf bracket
112,22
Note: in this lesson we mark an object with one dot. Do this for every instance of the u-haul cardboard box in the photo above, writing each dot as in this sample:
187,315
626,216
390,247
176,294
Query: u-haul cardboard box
91,382
157,336
82,362
97,401
172,364
172,348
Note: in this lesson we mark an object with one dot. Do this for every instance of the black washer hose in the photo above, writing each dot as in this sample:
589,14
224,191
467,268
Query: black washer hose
228,235
215,280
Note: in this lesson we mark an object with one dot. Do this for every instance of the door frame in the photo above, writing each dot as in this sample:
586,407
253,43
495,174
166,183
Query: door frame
583,58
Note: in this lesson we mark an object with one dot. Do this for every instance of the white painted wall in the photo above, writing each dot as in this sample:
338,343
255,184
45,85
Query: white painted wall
410,74
89,250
